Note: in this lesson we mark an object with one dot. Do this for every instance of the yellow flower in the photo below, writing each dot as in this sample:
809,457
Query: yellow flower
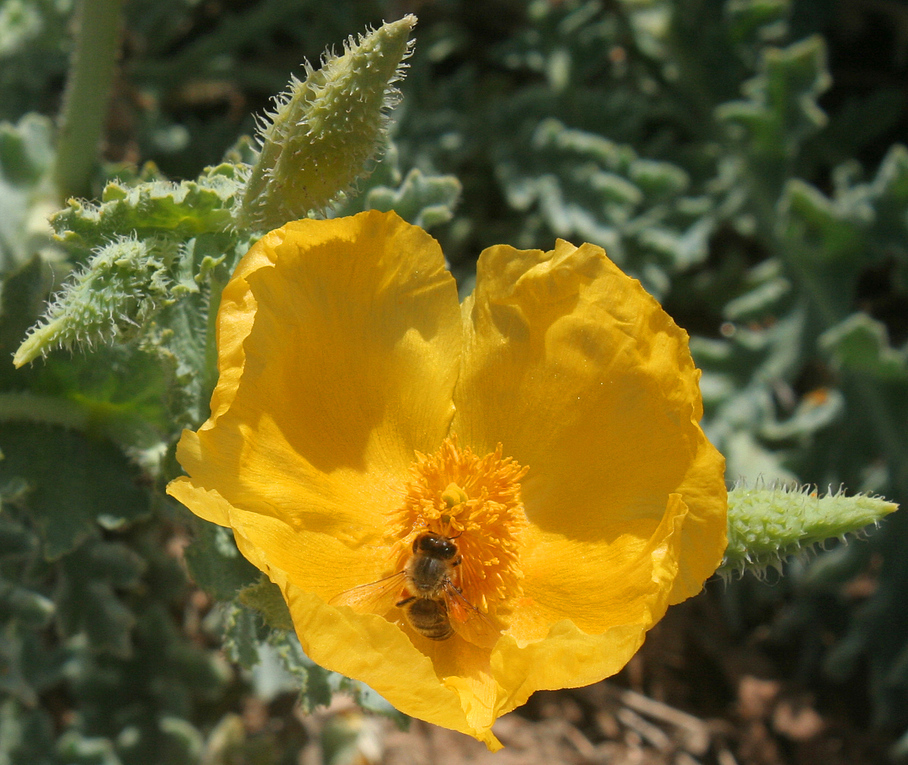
539,444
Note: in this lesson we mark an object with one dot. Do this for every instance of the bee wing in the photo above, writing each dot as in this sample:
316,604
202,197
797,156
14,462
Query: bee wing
467,620
374,598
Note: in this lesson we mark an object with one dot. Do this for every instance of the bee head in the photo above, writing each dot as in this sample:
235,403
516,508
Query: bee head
435,546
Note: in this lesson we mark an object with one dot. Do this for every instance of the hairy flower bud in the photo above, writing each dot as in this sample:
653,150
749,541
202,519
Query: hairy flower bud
110,299
766,525
325,129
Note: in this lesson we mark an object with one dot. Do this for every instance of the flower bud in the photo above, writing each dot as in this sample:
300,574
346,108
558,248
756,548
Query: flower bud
110,300
325,129
766,525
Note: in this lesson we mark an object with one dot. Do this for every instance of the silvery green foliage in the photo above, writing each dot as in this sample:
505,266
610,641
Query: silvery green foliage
424,200
685,137
26,193
33,49
148,259
588,188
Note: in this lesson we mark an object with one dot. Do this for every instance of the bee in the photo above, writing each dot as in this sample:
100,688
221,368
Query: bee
425,591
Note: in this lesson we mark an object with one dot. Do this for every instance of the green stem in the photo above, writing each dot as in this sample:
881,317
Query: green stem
87,91
211,329
48,410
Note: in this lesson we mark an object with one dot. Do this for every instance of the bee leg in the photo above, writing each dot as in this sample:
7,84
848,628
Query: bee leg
457,561
405,601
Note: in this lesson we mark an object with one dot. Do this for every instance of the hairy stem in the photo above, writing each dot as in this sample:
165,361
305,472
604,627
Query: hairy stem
87,91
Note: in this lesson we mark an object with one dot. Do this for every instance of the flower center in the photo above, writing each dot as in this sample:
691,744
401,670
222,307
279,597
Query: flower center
475,502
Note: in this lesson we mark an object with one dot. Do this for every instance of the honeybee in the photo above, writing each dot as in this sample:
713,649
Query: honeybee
425,590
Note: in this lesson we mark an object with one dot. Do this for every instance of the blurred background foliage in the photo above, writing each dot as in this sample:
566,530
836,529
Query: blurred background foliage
743,158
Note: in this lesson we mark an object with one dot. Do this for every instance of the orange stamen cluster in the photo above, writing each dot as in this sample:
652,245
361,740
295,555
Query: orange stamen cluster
476,502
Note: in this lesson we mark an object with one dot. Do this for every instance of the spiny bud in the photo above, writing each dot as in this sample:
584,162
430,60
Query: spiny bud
766,525
325,129
110,299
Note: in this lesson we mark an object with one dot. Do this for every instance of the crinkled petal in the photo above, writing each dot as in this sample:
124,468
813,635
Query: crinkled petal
573,627
706,526
338,359
371,649
582,376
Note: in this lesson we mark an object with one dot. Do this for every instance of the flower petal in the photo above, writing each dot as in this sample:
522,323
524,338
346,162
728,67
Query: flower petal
380,654
582,376
340,347
609,616
338,359
705,530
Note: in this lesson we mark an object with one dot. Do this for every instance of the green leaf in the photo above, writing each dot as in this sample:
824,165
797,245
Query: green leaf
658,180
367,698
24,606
183,743
184,209
118,392
241,636
781,109
34,40
861,344
422,200
30,662
812,413
22,300
26,150
826,231
87,600
739,375
76,484
315,685
748,19
165,677
75,749
889,195
26,190
758,303
16,541
266,598
26,735
215,563
589,188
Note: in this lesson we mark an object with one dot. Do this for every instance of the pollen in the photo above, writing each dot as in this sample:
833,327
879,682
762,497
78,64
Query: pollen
474,501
